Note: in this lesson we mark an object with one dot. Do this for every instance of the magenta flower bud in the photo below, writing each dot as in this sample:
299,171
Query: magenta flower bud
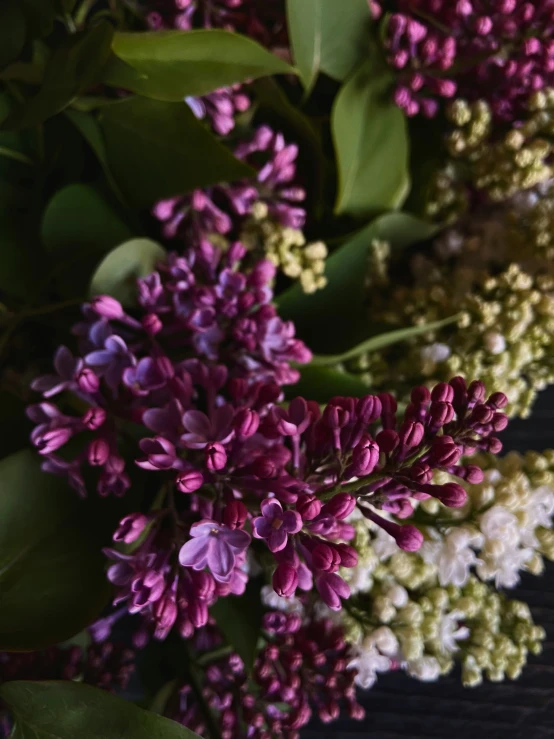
52,440
473,474
476,391
203,585
368,408
388,403
387,440
340,506
499,422
348,555
332,589
420,395
411,433
451,494
264,468
325,558
444,451
409,538
130,528
365,458
308,506
246,423
197,611
442,393
238,387
441,413
492,445
94,418
189,481
216,456
481,415
107,307
335,417
152,324
459,385
285,580
98,452
498,400
88,381
421,473
235,514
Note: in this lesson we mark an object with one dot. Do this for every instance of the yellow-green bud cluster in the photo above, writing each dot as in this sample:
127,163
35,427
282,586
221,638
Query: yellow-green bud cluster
503,297
287,248
502,166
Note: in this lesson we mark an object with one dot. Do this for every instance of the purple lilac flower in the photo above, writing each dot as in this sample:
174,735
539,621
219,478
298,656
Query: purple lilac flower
221,208
499,52
275,525
213,546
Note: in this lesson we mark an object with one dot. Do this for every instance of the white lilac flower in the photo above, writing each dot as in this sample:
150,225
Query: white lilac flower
457,557
498,524
450,631
505,567
274,601
426,669
368,661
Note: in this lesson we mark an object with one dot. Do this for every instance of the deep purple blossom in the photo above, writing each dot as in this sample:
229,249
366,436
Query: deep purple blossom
67,368
275,525
213,546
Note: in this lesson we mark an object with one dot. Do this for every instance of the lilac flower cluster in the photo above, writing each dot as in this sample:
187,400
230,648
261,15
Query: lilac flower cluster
199,369
500,52
302,665
221,209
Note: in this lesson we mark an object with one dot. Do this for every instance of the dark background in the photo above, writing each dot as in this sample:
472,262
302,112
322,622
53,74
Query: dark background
399,707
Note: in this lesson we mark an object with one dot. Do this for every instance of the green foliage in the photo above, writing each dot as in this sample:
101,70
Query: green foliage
52,581
371,143
328,36
170,65
12,31
156,150
75,65
240,620
67,710
117,273
335,318
322,383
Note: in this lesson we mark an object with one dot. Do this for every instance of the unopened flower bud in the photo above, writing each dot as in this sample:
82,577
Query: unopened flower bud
98,452
325,558
387,440
216,456
444,451
130,528
88,380
308,506
246,423
340,506
285,580
411,433
235,514
107,307
94,418
189,481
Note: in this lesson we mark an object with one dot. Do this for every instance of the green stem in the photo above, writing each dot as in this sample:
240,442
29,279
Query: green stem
17,155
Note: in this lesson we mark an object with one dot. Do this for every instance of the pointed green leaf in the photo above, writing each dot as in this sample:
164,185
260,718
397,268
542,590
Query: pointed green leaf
371,144
117,273
52,580
328,36
170,65
71,710
157,150
74,66
375,343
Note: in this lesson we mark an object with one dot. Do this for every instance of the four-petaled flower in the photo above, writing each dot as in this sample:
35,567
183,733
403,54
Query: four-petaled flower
215,546
275,525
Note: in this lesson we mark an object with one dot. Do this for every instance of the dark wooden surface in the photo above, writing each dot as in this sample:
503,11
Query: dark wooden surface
400,708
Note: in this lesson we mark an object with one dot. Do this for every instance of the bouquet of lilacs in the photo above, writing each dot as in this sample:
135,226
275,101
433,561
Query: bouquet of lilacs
276,276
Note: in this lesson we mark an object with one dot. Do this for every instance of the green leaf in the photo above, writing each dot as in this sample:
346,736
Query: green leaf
75,65
78,228
157,150
375,343
40,16
70,710
328,36
12,31
52,581
371,144
322,383
117,273
336,318
170,65
240,620
90,130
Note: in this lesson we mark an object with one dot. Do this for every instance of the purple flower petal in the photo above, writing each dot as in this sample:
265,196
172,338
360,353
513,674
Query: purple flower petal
194,553
221,559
